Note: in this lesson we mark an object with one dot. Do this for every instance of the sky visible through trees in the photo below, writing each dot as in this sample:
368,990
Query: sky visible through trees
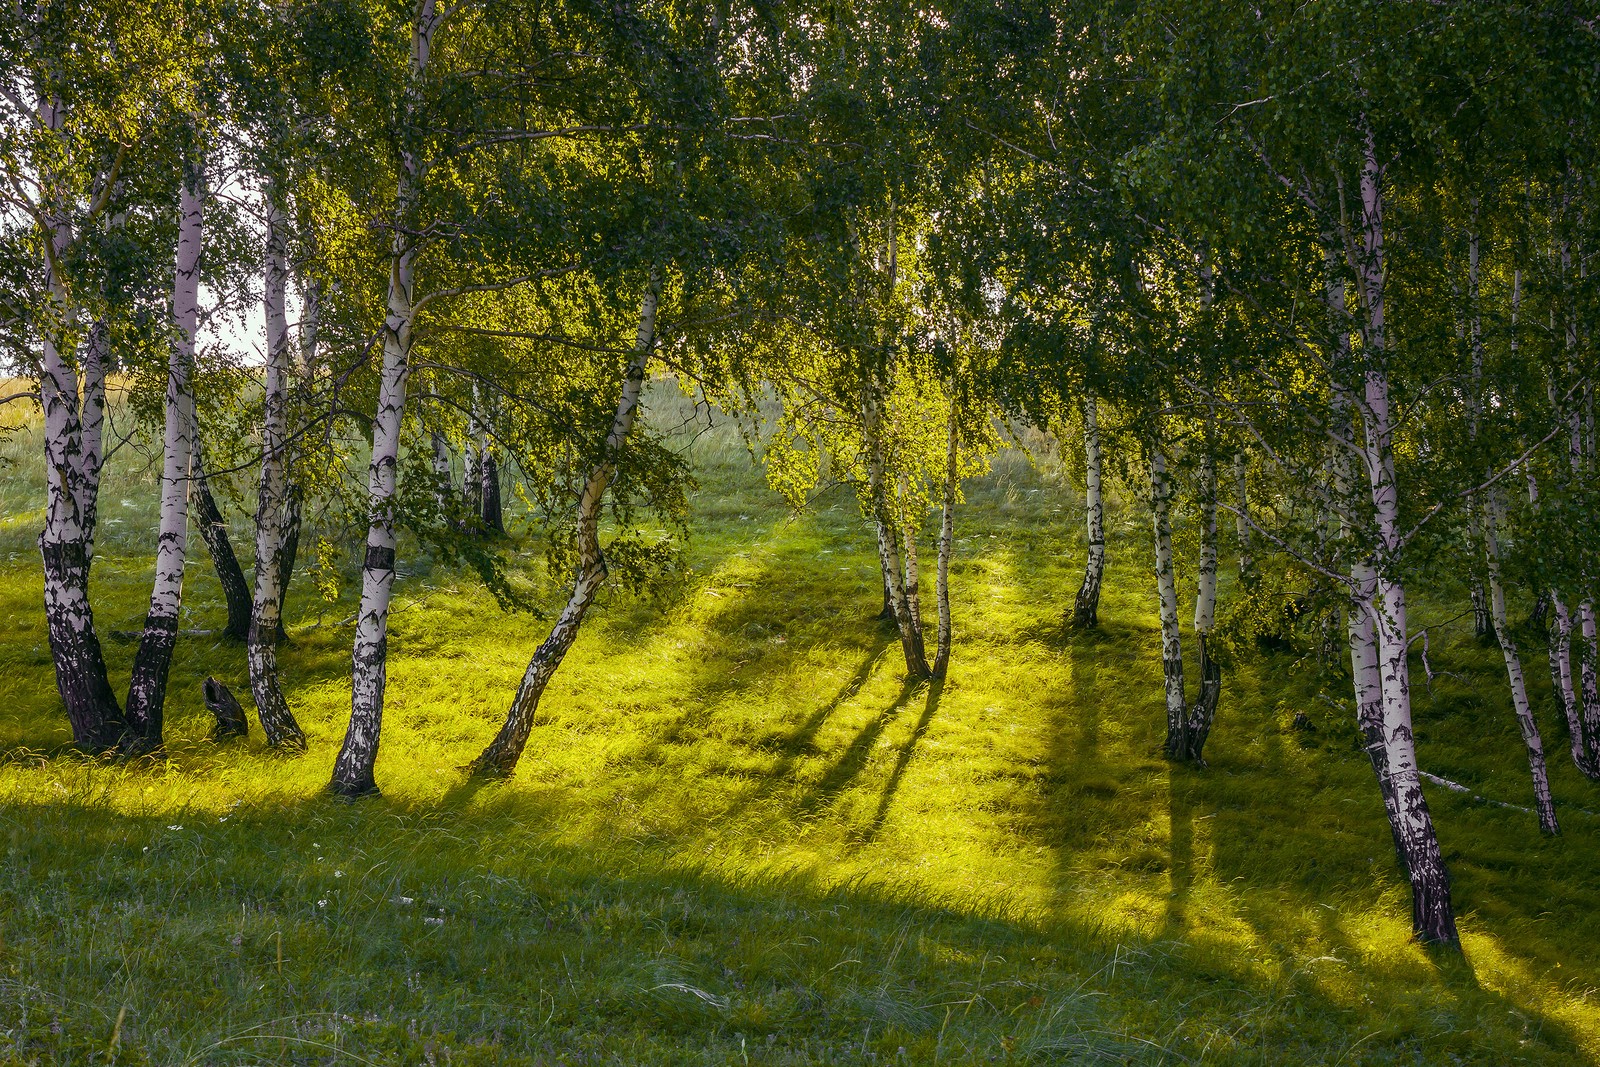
1306,292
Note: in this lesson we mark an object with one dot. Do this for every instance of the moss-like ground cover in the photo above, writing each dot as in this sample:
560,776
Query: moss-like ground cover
738,836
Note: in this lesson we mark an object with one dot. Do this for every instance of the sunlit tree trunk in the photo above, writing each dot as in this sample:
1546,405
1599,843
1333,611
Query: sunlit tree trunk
913,574
501,756
947,523
147,690
353,771
65,543
1086,608
96,358
272,520
888,548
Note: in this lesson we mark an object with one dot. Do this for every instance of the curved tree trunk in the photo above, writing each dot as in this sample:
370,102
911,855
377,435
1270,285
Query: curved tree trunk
214,530
500,757
1086,608
1177,744
353,770
147,690
65,544
272,508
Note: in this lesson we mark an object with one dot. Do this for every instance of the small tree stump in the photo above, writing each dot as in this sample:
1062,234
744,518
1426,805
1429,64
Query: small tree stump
225,706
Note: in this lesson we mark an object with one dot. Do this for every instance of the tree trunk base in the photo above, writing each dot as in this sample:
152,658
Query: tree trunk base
231,721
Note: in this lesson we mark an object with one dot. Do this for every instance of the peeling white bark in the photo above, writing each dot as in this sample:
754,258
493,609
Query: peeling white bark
1433,916
353,771
1177,744
272,500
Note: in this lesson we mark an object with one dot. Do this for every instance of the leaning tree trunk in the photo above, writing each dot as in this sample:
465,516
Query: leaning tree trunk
272,508
65,542
147,689
500,758
947,524
1086,609
888,549
353,771
1203,712
1177,744
1519,690
1433,915
214,529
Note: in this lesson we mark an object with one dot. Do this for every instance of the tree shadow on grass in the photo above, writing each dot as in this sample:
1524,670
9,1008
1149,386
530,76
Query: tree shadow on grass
930,708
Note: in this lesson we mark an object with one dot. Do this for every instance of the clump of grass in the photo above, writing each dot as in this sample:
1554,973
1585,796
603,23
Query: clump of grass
739,836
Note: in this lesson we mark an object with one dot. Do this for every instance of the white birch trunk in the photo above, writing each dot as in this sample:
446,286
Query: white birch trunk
147,689
354,770
500,758
1086,608
1519,690
96,355
1202,713
913,574
947,525
1433,917
64,542
888,547
1177,745
443,478
272,523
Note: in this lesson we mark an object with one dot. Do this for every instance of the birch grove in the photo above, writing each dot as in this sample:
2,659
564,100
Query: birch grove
1309,325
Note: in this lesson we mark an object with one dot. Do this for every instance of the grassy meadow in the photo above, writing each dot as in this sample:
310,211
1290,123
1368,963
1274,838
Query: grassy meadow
737,837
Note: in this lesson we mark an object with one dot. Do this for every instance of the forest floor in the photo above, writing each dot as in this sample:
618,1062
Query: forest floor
739,837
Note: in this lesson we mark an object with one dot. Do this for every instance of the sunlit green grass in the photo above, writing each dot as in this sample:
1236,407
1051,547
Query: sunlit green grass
739,836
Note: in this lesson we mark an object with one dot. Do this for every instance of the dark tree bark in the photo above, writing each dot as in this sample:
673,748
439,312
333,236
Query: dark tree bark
225,706
92,707
214,529
1086,608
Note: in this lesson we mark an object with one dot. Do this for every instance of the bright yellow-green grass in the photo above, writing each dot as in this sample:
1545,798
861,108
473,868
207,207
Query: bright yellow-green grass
739,837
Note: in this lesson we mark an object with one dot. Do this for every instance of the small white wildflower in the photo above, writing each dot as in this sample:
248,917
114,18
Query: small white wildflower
315,845
147,848
433,921
338,874
323,903
404,902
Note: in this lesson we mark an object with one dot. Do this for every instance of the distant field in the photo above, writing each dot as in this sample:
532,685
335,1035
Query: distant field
737,837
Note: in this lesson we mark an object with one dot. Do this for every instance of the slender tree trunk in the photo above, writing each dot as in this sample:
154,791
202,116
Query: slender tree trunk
913,574
1086,609
471,476
353,771
214,530
64,542
947,524
489,508
500,758
1177,745
1519,690
272,543
1203,712
444,480
888,549
1433,916
147,691
96,356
